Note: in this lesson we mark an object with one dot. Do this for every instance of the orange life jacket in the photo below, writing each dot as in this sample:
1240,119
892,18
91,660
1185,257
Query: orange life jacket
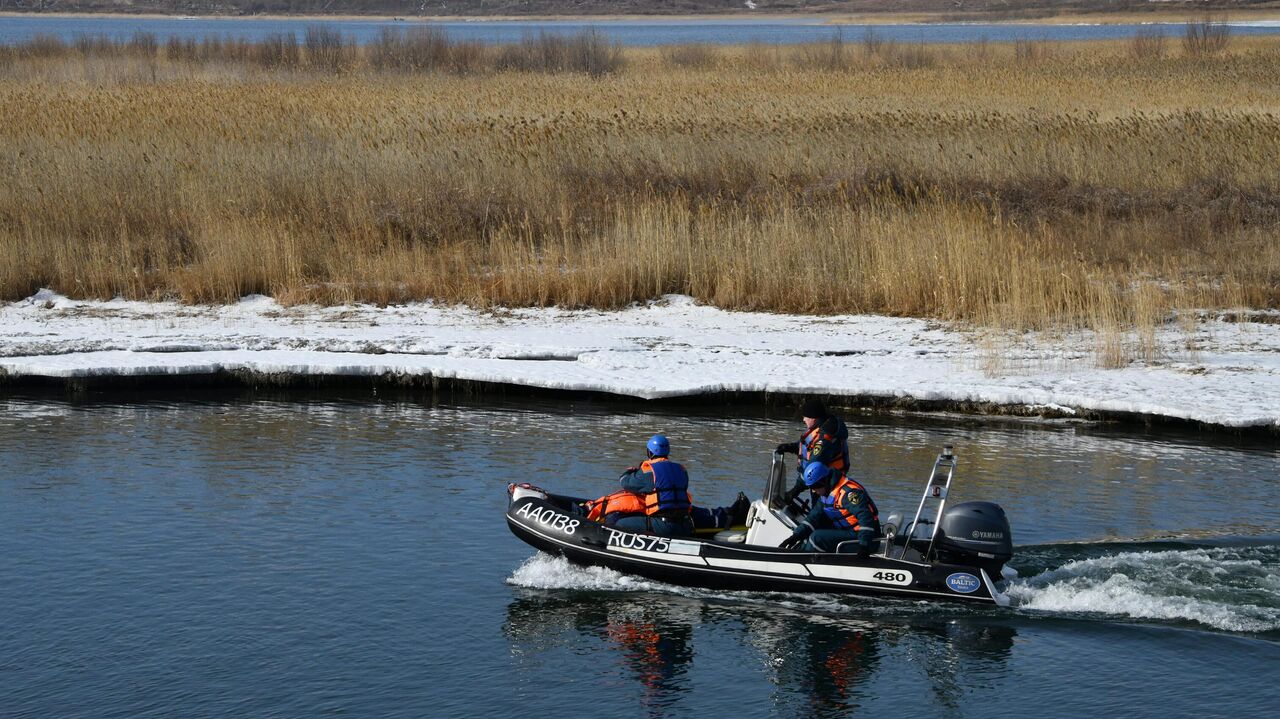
840,511
670,493
623,500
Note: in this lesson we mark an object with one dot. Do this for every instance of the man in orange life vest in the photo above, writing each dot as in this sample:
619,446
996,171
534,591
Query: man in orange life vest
825,440
654,498
844,511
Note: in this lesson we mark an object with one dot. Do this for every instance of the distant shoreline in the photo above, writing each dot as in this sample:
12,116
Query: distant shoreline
887,18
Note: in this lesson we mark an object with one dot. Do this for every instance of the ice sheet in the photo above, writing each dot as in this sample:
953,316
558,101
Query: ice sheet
1218,372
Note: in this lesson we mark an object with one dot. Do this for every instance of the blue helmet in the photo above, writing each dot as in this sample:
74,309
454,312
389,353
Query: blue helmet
659,446
816,473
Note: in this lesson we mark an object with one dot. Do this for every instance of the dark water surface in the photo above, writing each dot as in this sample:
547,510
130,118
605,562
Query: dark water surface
305,559
773,30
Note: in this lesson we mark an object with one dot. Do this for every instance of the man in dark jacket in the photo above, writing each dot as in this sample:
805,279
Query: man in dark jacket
844,511
825,440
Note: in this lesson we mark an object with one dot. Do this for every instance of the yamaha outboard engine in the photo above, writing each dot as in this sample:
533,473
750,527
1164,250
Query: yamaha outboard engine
975,533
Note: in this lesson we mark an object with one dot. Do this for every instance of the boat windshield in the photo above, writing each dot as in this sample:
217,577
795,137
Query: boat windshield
777,486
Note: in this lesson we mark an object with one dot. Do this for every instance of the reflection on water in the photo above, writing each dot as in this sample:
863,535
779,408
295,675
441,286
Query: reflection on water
817,667
652,641
657,652
816,664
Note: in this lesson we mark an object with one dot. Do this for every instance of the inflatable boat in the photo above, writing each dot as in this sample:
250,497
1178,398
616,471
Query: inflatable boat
942,553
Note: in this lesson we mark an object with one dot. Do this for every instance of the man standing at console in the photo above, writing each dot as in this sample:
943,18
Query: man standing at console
825,440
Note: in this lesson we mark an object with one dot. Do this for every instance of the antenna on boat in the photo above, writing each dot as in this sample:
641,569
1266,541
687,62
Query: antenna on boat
936,489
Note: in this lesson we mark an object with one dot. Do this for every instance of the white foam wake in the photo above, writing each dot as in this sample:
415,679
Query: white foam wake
543,571
1225,588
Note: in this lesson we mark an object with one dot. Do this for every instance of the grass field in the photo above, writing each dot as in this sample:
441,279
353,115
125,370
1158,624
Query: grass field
1024,186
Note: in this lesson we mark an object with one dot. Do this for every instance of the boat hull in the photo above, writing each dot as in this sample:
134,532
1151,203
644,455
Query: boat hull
548,526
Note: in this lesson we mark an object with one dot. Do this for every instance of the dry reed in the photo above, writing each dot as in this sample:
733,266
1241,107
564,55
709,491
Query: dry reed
1208,36
1001,184
694,55
1148,44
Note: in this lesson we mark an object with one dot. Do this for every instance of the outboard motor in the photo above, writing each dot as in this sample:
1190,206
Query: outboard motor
975,533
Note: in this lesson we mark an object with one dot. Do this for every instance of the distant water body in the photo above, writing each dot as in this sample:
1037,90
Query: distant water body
638,33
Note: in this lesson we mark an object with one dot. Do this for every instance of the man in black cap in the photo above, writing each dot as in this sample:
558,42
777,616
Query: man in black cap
825,440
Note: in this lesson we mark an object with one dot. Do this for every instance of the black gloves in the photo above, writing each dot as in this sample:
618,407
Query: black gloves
794,493
788,448
791,542
802,533
864,544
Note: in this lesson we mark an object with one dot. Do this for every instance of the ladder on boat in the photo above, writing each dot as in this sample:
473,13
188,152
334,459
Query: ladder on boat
935,494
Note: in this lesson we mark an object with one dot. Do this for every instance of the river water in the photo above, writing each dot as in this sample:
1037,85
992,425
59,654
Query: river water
268,558
775,30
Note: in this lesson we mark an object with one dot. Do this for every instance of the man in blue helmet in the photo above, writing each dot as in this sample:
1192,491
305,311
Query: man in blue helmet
664,487
844,511
655,499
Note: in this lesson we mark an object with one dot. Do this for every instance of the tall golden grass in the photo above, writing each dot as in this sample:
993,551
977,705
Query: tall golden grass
1022,186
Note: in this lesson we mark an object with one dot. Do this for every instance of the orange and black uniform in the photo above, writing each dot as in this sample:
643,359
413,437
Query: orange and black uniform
846,512
849,506
827,442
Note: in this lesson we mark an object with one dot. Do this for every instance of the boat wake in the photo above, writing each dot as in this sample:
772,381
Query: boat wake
1233,589
543,571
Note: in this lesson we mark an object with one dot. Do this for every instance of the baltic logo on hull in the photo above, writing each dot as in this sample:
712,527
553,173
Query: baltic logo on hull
963,582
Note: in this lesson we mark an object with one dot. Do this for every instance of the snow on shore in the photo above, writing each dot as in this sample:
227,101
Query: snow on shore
669,348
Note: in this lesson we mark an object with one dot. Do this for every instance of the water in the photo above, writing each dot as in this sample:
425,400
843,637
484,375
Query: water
774,30
298,559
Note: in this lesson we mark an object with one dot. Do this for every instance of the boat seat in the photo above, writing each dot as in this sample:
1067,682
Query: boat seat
736,536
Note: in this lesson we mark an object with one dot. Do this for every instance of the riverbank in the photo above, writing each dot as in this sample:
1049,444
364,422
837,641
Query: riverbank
1223,373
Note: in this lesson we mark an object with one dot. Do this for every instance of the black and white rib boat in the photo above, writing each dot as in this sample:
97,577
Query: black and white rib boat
945,553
